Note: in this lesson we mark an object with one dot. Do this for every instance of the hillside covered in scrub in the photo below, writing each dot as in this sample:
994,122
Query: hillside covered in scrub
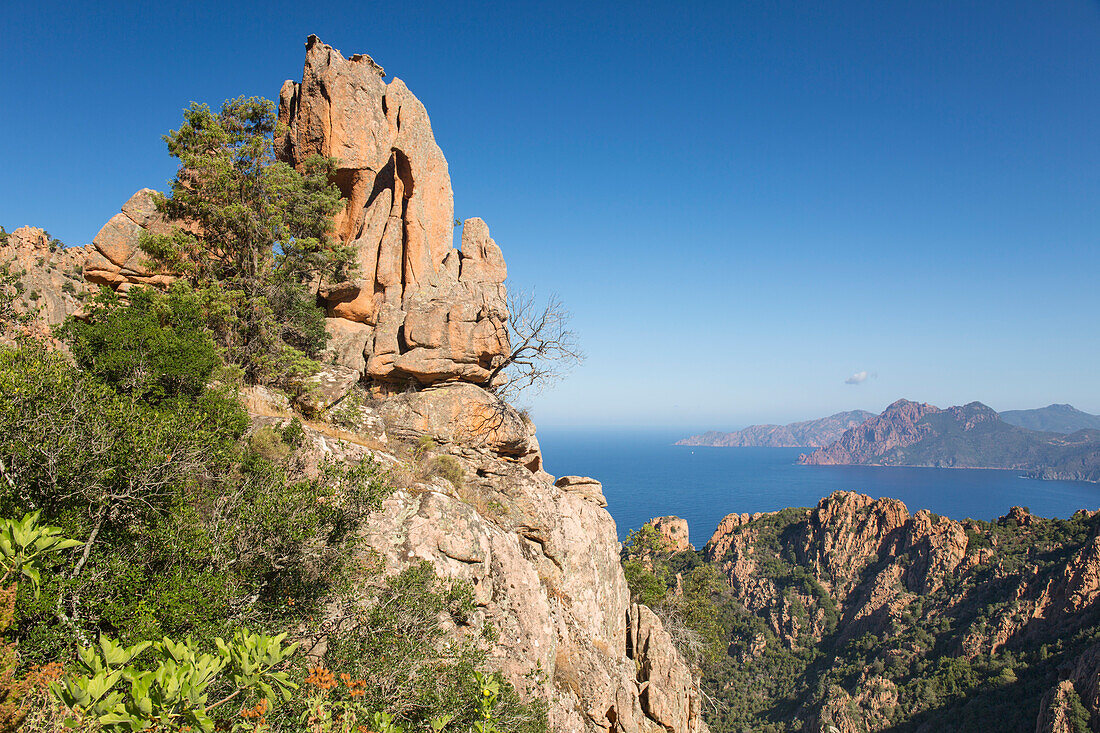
267,412
858,615
968,436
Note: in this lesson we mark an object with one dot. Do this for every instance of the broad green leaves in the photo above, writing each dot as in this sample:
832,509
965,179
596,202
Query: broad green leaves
22,545
173,689
489,687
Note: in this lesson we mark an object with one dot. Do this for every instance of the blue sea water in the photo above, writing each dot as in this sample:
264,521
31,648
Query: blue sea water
645,476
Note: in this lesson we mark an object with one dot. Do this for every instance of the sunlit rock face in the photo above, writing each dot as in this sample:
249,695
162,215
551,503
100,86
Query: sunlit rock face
430,313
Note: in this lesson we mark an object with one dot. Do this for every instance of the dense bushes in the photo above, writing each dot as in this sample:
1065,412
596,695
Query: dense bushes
190,524
184,528
155,347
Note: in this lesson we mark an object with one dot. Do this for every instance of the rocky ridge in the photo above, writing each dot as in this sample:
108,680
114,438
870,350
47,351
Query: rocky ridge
414,339
967,436
854,571
810,433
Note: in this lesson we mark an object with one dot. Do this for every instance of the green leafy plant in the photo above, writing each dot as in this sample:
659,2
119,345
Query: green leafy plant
111,688
23,547
24,543
489,688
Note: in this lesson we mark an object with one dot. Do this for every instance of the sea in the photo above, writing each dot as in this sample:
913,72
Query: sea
644,476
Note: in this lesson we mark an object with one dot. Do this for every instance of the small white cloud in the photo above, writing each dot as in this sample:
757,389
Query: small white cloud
857,378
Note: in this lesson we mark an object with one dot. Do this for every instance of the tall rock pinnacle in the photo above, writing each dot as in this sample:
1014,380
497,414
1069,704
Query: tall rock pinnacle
420,309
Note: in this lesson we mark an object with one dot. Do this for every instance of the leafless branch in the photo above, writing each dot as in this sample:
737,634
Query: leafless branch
544,348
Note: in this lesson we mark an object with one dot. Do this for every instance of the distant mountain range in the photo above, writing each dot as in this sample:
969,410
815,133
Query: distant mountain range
808,434
1052,419
971,436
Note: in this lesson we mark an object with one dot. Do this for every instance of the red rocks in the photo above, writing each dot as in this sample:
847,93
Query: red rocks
673,532
434,314
117,260
895,427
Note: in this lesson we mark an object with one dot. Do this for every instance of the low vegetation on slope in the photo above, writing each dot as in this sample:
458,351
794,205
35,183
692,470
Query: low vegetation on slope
856,615
188,527
204,554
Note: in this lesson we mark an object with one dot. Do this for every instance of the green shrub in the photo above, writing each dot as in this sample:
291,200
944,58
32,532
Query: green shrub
190,530
155,348
449,468
396,645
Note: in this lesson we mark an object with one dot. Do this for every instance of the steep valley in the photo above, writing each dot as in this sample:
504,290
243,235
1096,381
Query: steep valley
857,615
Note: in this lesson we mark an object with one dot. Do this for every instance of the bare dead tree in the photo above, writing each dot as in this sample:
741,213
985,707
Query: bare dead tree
544,348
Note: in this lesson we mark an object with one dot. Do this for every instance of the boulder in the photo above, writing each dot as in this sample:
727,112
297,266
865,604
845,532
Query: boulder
482,260
588,488
674,533
464,414
327,387
348,343
116,259
118,239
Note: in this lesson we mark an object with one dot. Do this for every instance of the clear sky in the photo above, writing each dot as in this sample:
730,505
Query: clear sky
744,204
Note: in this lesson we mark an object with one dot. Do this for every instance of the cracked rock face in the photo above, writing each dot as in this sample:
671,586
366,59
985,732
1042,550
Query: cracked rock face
542,558
429,313
115,258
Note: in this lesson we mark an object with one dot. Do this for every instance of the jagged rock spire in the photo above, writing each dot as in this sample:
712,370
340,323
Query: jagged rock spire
418,308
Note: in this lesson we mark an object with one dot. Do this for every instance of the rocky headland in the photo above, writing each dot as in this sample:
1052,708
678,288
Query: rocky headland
806,434
968,436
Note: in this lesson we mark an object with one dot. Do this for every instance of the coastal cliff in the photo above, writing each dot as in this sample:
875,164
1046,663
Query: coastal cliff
806,434
967,436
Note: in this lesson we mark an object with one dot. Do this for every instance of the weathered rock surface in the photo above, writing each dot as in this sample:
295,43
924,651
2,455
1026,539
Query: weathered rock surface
662,672
115,258
1056,714
673,532
435,314
49,276
589,488
541,556
464,414
327,387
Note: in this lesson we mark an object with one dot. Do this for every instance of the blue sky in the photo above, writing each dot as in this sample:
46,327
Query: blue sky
743,203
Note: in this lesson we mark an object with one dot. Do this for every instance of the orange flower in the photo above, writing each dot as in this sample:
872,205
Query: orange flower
257,712
321,678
